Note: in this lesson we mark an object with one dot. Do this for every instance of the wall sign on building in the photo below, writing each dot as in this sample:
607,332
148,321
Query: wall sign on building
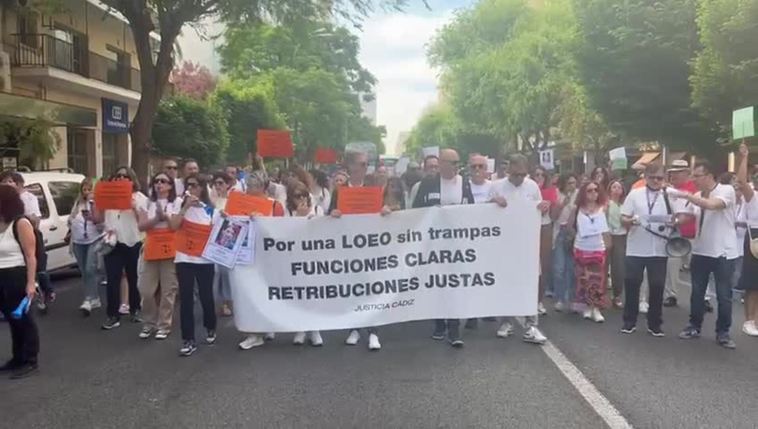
115,117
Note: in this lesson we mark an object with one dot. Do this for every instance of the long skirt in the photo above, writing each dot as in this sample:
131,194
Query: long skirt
591,278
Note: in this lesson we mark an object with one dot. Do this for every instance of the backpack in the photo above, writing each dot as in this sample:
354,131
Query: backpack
39,241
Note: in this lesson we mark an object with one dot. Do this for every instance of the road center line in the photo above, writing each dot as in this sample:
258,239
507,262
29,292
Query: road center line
584,386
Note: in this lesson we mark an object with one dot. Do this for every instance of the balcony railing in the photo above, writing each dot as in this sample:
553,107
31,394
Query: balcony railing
44,50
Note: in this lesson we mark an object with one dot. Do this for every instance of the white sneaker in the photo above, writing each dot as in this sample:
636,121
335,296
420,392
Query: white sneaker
373,342
587,314
353,338
269,336
541,309
86,308
299,339
749,328
252,340
161,334
505,330
597,316
559,306
644,306
315,338
95,303
533,335
123,309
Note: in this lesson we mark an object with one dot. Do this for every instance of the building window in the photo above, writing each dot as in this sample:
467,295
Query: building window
119,67
64,195
77,150
110,153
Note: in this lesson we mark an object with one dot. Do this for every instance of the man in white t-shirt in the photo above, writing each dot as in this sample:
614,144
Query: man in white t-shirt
189,168
517,185
480,186
649,213
714,251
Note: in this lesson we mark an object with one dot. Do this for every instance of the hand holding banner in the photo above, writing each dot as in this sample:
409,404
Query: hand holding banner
367,199
160,244
275,144
240,204
115,195
192,237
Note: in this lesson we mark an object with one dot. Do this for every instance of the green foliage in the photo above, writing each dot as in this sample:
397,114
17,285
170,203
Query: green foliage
246,107
634,62
35,139
725,72
187,127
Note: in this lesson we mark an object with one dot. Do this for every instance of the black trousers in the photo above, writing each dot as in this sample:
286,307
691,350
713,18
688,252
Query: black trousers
122,258
187,274
656,278
24,333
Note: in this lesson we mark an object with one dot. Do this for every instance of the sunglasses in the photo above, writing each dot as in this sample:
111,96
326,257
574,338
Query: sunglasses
477,166
162,181
123,176
171,167
300,195
193,185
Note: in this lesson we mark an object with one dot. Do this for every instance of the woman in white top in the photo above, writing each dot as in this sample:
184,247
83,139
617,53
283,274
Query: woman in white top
222,185
196,208
618,240
564,282
18,265
320,190
300,204
157,277
123,234
85,233
749,275
590,244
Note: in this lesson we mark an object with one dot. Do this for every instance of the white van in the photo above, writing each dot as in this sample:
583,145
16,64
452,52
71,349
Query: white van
56,193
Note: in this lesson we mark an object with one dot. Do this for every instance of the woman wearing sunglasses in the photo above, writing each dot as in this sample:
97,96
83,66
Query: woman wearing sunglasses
592,240
84,235
196,207
123,234
300,204
222,185
157,277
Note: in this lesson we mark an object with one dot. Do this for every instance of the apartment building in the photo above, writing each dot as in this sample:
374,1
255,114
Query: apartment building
76,68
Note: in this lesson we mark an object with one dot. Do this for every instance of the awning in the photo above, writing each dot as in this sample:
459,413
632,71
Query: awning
18,106
645,159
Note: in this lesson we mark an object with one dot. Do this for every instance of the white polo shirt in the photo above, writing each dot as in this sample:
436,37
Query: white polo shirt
715,235
528,190
481,192
644,203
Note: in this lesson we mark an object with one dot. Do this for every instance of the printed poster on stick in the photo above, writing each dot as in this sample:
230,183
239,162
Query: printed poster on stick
116,195
368,199
275,144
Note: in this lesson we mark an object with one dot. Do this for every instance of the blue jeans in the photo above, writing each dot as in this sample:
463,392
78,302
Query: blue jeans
86,259
701,268
564,280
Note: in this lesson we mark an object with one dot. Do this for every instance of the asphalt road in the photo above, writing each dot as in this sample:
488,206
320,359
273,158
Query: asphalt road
95,379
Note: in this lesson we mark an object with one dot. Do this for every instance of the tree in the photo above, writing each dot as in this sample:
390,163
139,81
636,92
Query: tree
190,128
725,72
634,60
247,107
35,139
167,18
193,80
316,79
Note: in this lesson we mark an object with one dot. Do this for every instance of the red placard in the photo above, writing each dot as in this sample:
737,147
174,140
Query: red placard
326,155
116,195
275,144
367,199
550,194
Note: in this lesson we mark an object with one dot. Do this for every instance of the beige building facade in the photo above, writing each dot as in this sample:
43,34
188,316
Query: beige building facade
76,68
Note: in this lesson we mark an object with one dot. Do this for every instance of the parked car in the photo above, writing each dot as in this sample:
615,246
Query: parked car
56,193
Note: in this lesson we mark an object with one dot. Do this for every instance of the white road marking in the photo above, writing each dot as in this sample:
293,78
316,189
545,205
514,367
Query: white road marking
584,386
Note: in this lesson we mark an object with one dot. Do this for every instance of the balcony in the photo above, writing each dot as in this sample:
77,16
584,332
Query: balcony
43,50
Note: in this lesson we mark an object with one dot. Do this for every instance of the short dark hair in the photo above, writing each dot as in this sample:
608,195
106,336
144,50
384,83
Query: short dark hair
428,157
189,160
17,178
11,206
519,159
563,180
706,166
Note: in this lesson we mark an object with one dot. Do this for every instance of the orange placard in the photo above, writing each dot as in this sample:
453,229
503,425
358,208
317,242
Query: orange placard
160,244
192,237
325,155
274,144
360,200
113,195
240,204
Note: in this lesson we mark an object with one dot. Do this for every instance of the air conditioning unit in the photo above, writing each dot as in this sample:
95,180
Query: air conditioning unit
5,71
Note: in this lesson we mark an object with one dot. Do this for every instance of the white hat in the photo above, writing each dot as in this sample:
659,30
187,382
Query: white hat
679,165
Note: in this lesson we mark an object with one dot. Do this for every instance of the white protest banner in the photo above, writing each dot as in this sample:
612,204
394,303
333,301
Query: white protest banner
430,151
371,270
225,241
547,160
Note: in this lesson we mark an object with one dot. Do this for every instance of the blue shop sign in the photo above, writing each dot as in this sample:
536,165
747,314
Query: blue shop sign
115,117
